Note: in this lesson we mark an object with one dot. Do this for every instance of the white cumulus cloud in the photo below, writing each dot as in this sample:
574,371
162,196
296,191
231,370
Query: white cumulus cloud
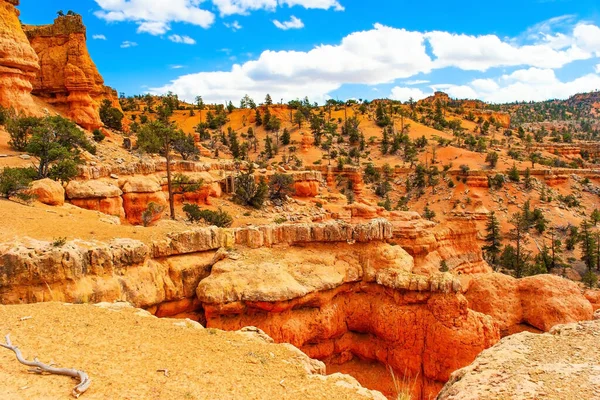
234,26
405,93
154,17
182,39
98,37
244,7
379,55
293,23
384,54
127,44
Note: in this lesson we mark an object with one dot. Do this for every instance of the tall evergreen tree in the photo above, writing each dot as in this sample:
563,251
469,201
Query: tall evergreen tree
493,240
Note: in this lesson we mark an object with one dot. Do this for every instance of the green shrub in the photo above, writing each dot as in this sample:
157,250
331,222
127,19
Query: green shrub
218,218
110,116
281,186
280,220
248,192
15,181
98,135
20,130
59,242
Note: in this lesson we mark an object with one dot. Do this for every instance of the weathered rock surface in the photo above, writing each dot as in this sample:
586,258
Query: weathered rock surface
96,195
138,192
33,271
201,363
48,192
541,301
68,78
18,61
562,364
430,244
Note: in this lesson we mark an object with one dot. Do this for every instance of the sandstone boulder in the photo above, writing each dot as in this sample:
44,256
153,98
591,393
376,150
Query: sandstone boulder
550,300
496,295
361,210
593,296
541,301
48,192
93,189
140,184
306,188
136,203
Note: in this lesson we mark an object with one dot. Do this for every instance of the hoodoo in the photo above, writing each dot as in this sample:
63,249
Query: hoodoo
68,78
18,61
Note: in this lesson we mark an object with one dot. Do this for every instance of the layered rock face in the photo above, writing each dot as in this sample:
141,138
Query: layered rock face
430,243
68,78
562,364
18,61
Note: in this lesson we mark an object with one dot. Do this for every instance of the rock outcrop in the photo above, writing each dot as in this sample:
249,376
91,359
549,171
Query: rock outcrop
138,192
540,301
18,61
562,364
350,301
48,191
430,243
68,78
96,195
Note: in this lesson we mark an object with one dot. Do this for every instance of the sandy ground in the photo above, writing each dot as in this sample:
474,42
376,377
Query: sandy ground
48,223
122,352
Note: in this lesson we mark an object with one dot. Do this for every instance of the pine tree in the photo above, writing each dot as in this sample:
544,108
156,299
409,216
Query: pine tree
259,120
234,145
268,100
493,240
588,246
521,255
513,174
285,137
268,147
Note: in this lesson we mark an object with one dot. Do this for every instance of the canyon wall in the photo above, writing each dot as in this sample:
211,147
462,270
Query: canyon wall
68,78
18,61
345,293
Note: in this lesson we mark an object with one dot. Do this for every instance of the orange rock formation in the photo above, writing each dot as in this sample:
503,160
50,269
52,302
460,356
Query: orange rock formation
18,62
68,78
540,301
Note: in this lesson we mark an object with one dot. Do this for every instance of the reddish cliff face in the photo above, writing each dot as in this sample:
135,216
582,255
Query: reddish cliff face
18,61
68,78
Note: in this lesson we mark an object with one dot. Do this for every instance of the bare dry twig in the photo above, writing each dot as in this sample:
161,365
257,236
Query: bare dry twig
39,368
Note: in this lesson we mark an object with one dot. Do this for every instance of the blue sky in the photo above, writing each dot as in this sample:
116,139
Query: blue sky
222,49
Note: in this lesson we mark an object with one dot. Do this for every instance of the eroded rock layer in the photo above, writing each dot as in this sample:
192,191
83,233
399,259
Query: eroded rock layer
68,78
345,293
18,61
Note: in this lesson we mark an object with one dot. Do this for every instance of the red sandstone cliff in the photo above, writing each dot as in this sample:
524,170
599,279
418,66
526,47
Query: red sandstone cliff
18,61
68,78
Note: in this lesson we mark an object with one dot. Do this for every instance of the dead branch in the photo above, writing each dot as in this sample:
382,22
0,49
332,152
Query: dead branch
39,368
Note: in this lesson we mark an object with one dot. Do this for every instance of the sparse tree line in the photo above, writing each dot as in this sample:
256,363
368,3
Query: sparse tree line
516,259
